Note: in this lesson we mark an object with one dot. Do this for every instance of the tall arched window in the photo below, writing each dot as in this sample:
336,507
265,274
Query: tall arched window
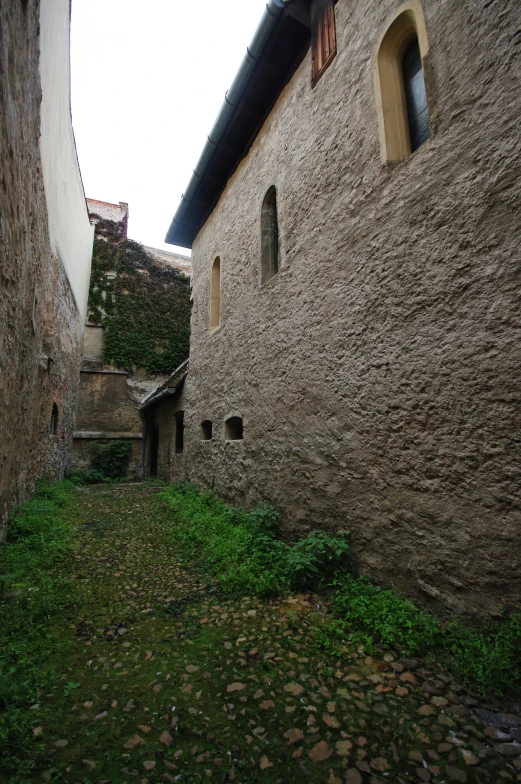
54,420
269,236
401,97
215,296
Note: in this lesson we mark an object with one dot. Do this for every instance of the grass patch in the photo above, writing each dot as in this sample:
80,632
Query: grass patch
29,598
242,550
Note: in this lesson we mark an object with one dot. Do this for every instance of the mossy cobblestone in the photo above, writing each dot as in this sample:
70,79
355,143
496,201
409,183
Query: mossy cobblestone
156,675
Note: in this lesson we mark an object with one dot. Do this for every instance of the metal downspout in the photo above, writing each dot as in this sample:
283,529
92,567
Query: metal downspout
268,23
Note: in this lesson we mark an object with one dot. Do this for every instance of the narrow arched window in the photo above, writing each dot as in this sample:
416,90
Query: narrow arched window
54,420
215,295
401,97
233,429
415,96
269,236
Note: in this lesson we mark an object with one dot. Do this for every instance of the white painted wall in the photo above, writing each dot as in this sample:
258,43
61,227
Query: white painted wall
71,232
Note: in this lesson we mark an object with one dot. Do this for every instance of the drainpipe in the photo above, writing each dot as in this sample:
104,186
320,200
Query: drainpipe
270,19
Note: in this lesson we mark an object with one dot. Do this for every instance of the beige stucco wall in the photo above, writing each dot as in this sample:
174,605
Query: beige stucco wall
378,372
70,230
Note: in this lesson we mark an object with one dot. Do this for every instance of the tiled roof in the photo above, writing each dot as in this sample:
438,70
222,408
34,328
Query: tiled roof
166,259
107,211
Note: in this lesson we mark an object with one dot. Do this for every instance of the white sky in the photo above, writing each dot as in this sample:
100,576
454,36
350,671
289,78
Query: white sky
147,82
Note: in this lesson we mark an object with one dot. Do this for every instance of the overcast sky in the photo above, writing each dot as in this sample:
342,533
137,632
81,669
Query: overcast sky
147,82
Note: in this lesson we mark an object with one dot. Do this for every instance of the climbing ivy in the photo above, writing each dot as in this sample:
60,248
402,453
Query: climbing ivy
145,308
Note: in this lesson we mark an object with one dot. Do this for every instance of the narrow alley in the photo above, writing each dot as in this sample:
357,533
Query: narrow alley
158,676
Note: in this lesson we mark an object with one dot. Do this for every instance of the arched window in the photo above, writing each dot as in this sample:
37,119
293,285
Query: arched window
234,429
54,420
215,296
206,430
269,236
401,97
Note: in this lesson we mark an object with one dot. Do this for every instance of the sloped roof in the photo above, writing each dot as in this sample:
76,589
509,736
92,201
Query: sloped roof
166,259
107,211
172,385
278,47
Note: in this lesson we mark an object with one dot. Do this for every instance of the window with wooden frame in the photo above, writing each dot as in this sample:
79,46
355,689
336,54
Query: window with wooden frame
323,37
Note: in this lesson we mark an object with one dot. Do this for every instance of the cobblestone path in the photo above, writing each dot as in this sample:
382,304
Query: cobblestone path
159,678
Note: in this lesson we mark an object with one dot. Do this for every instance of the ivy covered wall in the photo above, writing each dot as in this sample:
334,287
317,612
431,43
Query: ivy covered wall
144,306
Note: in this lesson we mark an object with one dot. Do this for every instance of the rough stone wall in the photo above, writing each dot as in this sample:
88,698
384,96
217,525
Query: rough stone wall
110,398
108,409
378,372
40,330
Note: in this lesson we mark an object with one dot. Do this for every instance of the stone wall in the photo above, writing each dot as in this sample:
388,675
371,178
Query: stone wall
108,409
377,373
110,398
40,328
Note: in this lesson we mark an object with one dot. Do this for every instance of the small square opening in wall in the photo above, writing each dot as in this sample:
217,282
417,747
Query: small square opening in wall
206,430
234,429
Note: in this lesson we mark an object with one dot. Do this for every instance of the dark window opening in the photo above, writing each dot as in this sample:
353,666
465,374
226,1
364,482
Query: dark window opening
179,432
234,429
206,430
215,295
415,96
54,420
269,236
154,450
323,37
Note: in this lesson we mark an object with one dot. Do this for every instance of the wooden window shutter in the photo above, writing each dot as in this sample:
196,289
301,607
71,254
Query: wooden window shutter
323,36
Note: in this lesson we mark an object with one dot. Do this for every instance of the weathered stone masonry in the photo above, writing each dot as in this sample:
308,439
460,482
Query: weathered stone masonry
110,392
377,373
40,324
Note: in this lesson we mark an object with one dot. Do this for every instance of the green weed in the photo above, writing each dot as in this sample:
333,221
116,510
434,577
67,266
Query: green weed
241,549
487,658
30,597
111,460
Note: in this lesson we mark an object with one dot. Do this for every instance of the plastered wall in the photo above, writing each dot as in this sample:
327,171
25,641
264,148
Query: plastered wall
378,372
71,233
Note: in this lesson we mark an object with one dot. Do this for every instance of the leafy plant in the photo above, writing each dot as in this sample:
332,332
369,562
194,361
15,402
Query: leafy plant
391,619
265,517
313,560
111,460
242,550
88,476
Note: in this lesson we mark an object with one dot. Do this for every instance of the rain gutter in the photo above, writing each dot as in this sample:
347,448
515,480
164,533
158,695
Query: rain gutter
270,19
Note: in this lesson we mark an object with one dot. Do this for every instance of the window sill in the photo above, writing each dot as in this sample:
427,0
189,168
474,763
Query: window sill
391,166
